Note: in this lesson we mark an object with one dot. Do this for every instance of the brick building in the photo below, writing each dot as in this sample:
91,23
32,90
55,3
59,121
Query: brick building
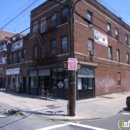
102,50
17,62
3,49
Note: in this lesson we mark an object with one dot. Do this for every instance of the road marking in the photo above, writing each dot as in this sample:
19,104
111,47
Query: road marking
2,116
126,113
67,124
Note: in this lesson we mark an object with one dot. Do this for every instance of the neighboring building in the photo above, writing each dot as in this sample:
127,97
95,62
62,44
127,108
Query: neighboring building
102,51
4,35
17,62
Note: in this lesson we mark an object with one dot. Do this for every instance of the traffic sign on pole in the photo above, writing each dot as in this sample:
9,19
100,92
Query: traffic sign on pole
72,63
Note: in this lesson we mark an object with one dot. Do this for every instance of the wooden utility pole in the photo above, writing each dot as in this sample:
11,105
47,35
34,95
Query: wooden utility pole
71,73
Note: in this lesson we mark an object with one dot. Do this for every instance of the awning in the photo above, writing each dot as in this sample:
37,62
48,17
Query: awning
88,64
13,71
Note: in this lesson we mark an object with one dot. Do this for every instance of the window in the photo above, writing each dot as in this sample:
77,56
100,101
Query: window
53,22
127,58
53,47
118,78
89,16
110,53
64,45
43,25
118,55
19,55
23,54
35,29
35,52
126,39
117,34
64,16
0,70
90,44
13,57
109,29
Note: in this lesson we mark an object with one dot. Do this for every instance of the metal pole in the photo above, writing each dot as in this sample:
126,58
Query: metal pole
71,73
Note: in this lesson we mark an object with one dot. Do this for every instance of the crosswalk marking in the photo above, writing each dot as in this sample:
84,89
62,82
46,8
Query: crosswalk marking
67,124
126,113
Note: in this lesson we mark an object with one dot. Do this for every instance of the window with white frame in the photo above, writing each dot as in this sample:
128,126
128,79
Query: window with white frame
53,47
108,28
90,44
110,53
118,55
126,39
64,46
64,12
89,15
35,51
53,20
43,25
35,27
117,33
127,58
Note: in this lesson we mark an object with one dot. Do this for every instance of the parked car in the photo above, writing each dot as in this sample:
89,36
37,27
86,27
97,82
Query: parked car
128,101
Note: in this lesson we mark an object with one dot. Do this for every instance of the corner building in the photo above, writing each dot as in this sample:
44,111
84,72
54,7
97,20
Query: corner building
101,48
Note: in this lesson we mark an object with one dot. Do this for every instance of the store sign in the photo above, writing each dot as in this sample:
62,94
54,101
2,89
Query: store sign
72,63
100,38
17,45
13,71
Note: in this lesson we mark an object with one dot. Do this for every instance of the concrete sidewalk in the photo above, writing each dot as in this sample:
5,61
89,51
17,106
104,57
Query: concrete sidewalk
98,107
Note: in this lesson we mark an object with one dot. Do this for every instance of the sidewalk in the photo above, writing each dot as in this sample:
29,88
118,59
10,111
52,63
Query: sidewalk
98,107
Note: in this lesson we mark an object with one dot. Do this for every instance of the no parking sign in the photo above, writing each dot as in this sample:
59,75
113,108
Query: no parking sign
72,63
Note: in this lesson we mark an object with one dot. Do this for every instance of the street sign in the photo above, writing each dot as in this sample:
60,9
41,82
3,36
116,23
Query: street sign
72,63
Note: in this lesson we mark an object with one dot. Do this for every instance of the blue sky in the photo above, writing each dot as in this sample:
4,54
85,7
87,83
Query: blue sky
10,9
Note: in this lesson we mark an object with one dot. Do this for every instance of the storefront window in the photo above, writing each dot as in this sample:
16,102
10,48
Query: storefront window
59,78
85,83
33,82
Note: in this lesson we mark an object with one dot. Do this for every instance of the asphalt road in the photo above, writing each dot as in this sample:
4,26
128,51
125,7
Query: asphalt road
112,123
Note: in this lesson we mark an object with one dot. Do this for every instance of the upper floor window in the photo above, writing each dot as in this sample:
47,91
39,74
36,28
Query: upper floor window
117,34
89,15
23,54
13,57
53,20
127,58
64,46
126,39
43,25
53,47
109,28
129,39
118,78
35,52
110,53
118,55
35,27
90,44
64,16
19,56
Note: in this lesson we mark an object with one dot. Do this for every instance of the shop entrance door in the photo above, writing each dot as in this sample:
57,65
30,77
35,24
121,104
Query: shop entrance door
85,88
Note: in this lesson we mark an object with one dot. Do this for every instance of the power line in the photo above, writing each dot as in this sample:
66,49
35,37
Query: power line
109,7
15,12
20,13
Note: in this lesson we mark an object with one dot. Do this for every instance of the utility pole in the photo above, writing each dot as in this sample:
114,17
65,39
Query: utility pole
71,73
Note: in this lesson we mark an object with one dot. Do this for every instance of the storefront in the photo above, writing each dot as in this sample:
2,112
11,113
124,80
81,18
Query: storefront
13,78
85,82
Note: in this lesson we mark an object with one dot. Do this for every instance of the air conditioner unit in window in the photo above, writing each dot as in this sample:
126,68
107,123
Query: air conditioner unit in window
91,52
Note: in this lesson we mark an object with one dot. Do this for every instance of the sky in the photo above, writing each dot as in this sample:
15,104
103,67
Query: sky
15,14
